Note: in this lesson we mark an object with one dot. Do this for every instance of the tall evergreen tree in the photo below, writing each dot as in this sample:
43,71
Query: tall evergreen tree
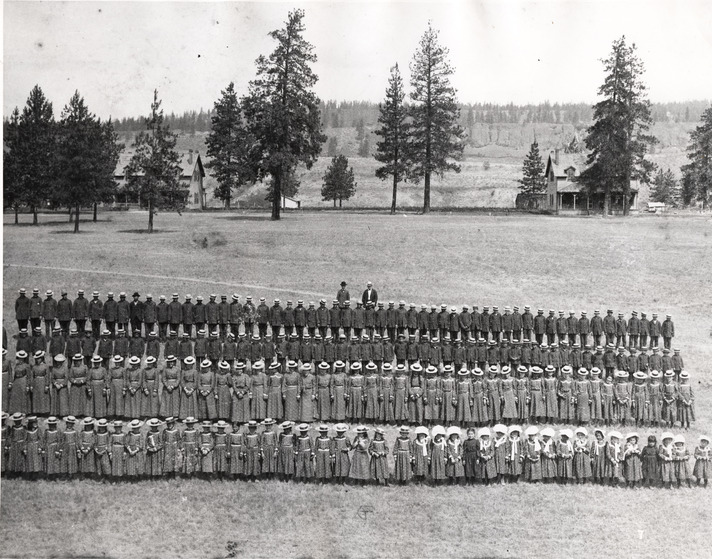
12,183
290,186
35,146
664,188
229,146
154,170
339,183
281,109
533,180
87,155
436,138
697,174
391,149
617,140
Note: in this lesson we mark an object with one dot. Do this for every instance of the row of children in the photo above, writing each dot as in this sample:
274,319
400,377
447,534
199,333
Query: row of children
496,455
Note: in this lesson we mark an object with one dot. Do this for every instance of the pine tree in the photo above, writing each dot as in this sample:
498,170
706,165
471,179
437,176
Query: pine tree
282,111
697,174
12,184
154,170
87,154
533,180
665,188
290,186
617,140
391,149
230,147
436,138
339,183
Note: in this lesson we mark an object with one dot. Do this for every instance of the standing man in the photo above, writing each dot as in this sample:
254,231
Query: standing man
343,295
262,313
528,324
539,324
275,318
597,328
35,309
668,331
80,311
175,314
346,319
562,328
150,313
49,313
369,296
188,315
621,330
300,320
507,326
64,314
248,315
335,319
136,313
124,312
655,331
223,316
633,329
392,320
644,330
212,315
550,328
288,318
95,314
322,318
111,313
496,324
235,315
584,329
516,324
22,309
609,327
572,328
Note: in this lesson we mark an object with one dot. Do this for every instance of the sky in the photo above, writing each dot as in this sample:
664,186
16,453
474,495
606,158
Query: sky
520,51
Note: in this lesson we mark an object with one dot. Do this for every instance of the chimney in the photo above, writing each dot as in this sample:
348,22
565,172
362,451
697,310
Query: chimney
190,156
556,156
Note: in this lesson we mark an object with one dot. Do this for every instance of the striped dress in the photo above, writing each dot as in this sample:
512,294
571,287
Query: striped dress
189,444
70,446
379,461
340,447
236,449
285,454
222,388
133,465
268,444
360,461
52,446
322,461
220,462
87,463
252,454
170,393
437,459
101,453
303,466
240,412
171,451
402,452
207,445
154,454
117,454
33,458
290,391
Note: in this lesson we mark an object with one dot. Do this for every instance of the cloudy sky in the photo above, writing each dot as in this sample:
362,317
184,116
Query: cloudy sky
116,53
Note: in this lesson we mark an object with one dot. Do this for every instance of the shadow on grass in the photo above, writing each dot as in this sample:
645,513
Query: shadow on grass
55,222
63,231
140,231
246,217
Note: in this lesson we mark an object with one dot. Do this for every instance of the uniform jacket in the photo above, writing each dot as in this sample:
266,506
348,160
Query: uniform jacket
64,309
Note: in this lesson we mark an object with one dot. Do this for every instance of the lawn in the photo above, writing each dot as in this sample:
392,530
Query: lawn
650,263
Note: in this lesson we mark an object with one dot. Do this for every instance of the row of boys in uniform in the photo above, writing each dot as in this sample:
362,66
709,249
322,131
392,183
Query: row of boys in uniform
370,317
496,455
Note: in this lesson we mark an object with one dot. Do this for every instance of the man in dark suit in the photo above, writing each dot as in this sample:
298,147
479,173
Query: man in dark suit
369,296
343,295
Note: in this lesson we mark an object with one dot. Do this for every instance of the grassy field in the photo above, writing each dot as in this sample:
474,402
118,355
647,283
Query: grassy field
646,263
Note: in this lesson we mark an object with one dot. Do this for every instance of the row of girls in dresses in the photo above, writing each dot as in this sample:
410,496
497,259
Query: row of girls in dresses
100,448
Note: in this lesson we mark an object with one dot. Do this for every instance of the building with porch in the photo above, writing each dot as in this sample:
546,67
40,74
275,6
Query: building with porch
192,174
565,193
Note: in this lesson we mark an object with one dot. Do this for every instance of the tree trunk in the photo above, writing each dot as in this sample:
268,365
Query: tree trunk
34,215
70,214
76,219
426,193
150,216
340,200
395,192
95,206
606,201
276,195
334,202
17,211
227,203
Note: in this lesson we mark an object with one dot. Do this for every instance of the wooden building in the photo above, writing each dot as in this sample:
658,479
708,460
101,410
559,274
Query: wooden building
566,195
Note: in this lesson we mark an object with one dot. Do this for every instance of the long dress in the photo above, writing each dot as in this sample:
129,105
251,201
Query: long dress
500,455
632,466
51,447
188,394
78,390
207,408
220,463
290,393
454,467
133,466
596,400
402,453
268,446
548,459
87,440
323,393
338,396
252,454
170,392
493,399
153,465
437,459
340,447
386,398
307,398
275,409
515,466
487,469
285,454
258,398
521,392
134,393
702,467
7,373
464,396
240,412
435,407
639,400
97,388
322,460
206,456
189,445
480,411
509,404
582,459
582,397
102,448
415,401
117,387
371,393
150,401
360,461
565,460
117,454
537,408
40,389
172,455
532,460
19,396
401,396
70,448
469,453
354,407
303,464
379,461
566,404
33,457
599,459
236,450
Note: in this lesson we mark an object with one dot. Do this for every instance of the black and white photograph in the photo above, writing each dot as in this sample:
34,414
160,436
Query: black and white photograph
351,279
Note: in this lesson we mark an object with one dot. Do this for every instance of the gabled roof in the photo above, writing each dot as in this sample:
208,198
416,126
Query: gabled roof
187,168
566,160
